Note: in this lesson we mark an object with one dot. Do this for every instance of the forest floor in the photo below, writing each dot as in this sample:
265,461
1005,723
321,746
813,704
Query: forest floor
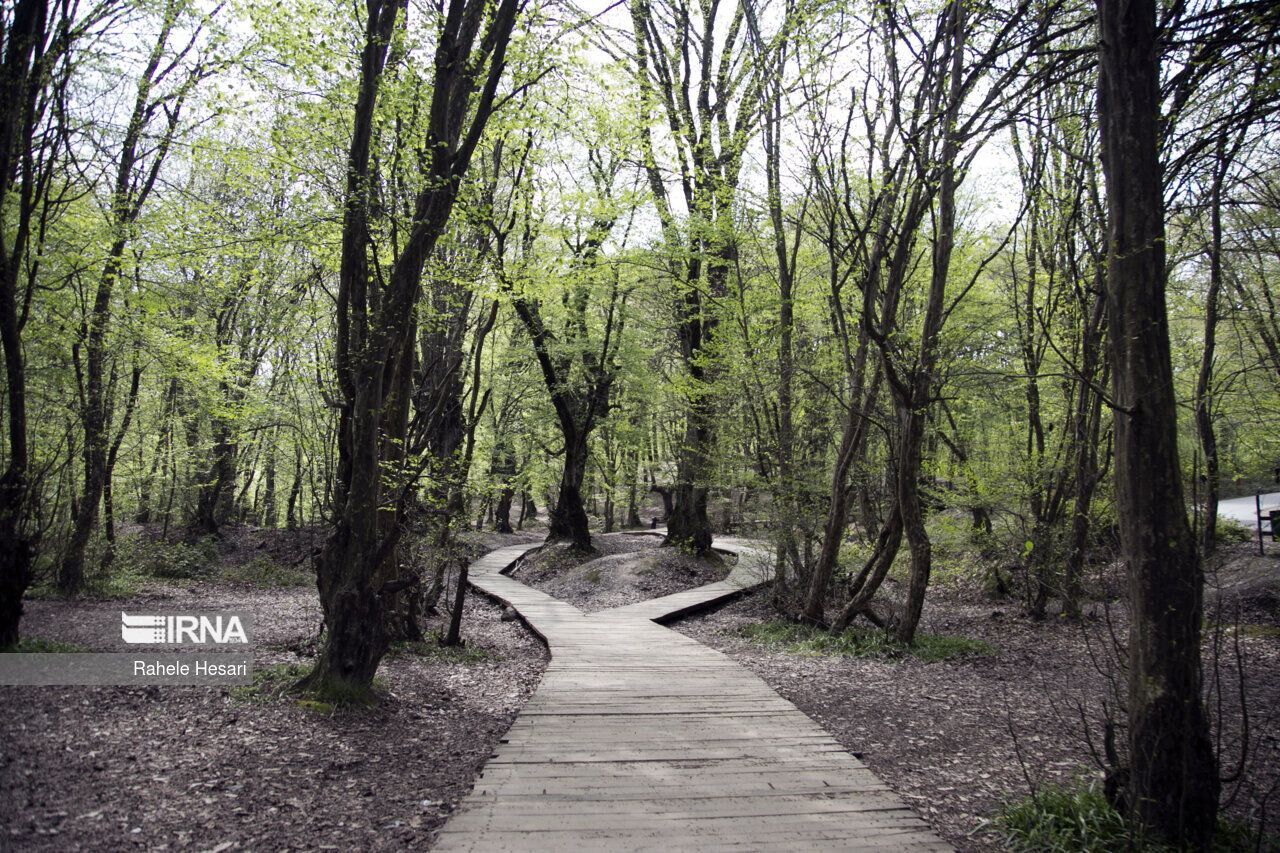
229,768
960,737
625,568
237,768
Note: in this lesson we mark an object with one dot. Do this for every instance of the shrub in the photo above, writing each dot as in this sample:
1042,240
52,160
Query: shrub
1230,530
1081,819
159,558
856,642
1063,819
265,572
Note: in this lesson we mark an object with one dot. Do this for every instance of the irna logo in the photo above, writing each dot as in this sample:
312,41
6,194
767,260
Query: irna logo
178,629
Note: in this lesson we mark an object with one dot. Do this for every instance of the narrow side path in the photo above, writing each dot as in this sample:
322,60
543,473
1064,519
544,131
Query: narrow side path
640,738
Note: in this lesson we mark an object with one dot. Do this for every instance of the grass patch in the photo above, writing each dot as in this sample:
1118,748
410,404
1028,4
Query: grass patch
338,695
35,645
592,575
1063,819
269,682
430,648
263,572
1256,631
861,643
1066,820
274,683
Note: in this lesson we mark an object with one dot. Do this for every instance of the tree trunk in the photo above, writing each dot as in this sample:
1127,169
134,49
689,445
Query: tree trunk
1173,777
453,637
375,319
214,494
633,510
569,517
874,571
502,514
1204,379
1086,426
687,522
527,509
913,409
852,440
94,455
292,513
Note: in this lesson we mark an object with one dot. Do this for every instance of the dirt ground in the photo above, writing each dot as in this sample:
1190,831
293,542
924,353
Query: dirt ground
626,568
215,769
959,738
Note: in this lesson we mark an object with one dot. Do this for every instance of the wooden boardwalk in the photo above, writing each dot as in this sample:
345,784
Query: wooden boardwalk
640,738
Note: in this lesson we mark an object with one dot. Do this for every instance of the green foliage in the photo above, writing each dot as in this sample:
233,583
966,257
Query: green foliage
265,572
856,642
36,645
1080,820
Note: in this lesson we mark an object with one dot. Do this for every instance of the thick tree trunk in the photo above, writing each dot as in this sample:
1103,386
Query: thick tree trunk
71,569
1173,778
376,319
27,22
502,513
687,523
214,495
348,567
569,517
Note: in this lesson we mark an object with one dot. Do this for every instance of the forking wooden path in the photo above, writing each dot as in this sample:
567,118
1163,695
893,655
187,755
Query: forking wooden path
640,738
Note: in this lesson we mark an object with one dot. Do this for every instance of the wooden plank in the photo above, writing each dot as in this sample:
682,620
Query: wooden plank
640,738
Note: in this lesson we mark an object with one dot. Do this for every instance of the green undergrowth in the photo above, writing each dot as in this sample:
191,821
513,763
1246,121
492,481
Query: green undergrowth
1254,631
1229,530
857,642
277,682
140,560
36,645
159,558
262,572
1067,820
124,580
430,648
